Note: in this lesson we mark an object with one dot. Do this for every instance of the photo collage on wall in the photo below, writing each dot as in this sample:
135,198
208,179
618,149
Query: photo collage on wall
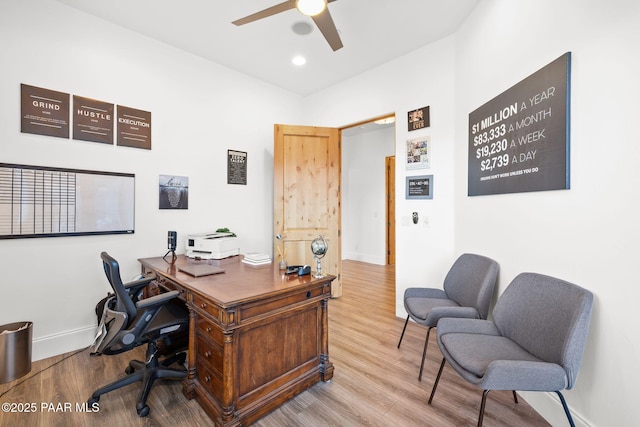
418,155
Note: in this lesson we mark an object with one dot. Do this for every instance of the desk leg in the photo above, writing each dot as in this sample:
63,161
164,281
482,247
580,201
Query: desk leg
326,367
228,407
189,388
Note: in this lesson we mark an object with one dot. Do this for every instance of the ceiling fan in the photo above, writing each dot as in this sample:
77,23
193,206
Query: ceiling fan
316,9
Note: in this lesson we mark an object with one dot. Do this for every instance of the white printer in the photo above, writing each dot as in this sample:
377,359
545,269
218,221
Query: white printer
215,245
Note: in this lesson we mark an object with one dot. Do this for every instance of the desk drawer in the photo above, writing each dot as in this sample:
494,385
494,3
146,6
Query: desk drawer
209,379
269,307
168,285
161,285
209,353
210,330
208,307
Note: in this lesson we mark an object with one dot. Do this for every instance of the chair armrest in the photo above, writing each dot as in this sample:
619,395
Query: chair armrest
424,293
157,300
450,325
438,313
524,376
136,285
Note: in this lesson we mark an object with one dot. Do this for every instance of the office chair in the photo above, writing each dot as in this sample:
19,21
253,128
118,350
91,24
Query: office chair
535,342
134,288
161,322
468,288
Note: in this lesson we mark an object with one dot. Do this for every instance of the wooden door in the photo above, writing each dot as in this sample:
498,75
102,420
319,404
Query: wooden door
391,209
306,169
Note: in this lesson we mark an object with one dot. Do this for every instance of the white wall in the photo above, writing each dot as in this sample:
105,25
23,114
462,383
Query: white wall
364,194
199,110
424,77
588,234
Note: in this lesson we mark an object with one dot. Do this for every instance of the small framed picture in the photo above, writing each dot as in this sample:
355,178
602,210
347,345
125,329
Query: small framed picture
174,192
236,167
419,187
419,153
418,119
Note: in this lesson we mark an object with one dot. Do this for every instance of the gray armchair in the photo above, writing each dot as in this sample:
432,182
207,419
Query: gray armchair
535,342
467,291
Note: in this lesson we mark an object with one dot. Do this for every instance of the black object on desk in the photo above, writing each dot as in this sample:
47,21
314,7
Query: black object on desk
300,270
172,243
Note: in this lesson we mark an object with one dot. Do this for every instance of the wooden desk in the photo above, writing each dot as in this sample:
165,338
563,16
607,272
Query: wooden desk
257,337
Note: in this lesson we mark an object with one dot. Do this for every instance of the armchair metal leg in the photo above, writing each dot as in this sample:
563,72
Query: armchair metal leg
484,397
406,322
566,409
485,393
435,384
484,401
424,353
515,397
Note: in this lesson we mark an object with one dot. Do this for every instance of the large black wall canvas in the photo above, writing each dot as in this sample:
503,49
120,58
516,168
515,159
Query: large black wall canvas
519,141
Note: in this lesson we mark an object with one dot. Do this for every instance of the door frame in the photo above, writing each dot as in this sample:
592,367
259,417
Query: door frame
360,123
390,191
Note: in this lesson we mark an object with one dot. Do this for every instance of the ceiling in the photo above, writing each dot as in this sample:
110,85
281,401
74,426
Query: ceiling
361,128
373,32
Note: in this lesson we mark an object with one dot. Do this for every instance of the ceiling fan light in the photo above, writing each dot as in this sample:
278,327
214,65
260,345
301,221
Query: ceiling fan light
311,7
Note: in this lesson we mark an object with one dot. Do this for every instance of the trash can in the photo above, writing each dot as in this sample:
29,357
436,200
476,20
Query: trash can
15,350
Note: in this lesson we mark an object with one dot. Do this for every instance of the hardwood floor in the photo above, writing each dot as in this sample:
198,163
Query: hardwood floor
374,384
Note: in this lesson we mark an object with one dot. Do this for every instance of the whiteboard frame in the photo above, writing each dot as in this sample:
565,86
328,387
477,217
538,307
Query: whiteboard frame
124,199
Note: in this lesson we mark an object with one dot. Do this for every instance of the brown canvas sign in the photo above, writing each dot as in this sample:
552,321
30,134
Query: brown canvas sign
44,111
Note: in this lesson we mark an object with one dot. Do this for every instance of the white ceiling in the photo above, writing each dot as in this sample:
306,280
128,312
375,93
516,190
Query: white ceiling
373,32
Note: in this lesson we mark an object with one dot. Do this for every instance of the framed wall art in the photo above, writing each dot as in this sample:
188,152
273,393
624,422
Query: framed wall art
419,187
174,192
419,153
519,140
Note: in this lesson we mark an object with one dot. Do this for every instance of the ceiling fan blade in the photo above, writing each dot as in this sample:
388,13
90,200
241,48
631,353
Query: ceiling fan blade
270,11
328,29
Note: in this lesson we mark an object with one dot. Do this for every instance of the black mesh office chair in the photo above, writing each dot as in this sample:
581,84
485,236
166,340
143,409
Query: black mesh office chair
161,322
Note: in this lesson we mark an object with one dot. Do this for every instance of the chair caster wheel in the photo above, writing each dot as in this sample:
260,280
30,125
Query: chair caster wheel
129,370
144,411
92,401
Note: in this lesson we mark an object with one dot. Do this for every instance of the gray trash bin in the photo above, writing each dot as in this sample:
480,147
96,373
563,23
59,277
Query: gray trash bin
15,350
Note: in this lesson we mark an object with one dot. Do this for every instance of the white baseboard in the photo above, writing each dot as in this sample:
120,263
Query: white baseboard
63,342
548,405
368,258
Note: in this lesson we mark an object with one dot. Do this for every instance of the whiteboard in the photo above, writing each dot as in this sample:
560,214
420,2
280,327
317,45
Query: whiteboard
38,201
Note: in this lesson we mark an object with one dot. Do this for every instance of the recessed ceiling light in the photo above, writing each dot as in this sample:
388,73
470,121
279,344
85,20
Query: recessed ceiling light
302,28
299,60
